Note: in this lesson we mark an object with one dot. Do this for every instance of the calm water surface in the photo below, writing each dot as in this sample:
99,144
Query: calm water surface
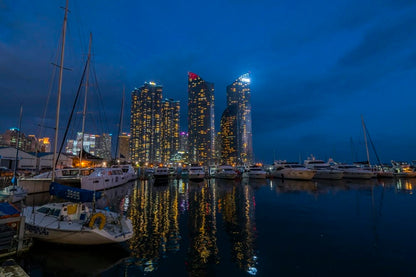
262,228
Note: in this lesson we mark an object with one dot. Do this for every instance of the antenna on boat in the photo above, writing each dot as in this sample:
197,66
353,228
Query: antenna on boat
58,106
85,102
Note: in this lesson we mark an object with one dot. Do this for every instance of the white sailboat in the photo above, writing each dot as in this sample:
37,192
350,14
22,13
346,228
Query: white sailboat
75,222
14,193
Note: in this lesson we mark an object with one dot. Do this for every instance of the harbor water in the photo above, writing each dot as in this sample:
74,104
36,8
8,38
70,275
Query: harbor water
247,228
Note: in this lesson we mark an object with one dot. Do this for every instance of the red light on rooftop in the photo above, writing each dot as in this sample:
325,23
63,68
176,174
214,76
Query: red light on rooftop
192,76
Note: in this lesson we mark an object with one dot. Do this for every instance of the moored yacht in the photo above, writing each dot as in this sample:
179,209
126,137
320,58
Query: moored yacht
196,173
403,169
128,170
66,176
256,172
185,173
104,178
161,175
226,172
355,172
323,170
290,170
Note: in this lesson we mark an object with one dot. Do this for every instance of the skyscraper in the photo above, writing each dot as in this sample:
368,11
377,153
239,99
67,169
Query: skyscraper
238,93
146,109
229,145
123,147
201,120
169,129
103,146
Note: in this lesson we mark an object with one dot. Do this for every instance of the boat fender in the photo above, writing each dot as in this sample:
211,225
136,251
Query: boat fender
94,217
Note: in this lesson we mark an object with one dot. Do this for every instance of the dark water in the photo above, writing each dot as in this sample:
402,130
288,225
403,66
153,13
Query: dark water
264,228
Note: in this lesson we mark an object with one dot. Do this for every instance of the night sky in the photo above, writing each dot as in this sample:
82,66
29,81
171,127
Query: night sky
316,67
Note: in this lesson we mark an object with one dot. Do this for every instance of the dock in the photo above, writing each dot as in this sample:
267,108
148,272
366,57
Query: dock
12,230
11,268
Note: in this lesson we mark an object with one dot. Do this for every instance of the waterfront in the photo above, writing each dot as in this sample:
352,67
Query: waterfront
252,227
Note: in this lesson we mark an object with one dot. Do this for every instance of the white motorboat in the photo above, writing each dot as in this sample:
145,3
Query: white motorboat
104,178
355,172
185,173
75,222
403,169
161,174
128,170
173,174
65,176
294,171
13,194
226,172
256,172
323,170
196,173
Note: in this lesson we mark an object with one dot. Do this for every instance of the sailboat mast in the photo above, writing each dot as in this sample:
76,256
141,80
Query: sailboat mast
365,139
58,106
120,126
14,180
85,101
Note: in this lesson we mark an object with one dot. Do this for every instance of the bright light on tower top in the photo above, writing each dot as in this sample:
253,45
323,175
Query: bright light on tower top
245,78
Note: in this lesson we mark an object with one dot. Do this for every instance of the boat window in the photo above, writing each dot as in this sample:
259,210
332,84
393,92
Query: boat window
56,212
82,216
44,210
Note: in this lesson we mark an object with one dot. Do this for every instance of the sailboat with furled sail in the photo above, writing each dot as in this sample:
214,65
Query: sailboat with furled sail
76,222
14,193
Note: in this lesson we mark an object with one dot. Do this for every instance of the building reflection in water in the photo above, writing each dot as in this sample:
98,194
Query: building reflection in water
202,229
156,212
155,215
237,206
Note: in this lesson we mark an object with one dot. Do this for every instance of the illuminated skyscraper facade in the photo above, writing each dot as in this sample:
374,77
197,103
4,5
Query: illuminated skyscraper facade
169,129
123,147
145,124
238,93
201,120
229,145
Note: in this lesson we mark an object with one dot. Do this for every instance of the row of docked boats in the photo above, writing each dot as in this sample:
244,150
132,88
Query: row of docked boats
311,169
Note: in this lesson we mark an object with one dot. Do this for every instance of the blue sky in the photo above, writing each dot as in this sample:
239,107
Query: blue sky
316,66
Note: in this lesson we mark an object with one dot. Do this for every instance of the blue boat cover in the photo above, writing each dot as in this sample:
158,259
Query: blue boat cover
7,210
73,194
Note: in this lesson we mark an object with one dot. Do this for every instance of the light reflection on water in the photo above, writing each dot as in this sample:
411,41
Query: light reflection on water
259,227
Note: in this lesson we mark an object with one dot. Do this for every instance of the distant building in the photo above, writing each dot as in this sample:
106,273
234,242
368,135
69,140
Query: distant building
123,147
10,138
183,142
239,94
103,146
97,145
229,143
74,146
32,160
44,144
145,124
169,129
201,120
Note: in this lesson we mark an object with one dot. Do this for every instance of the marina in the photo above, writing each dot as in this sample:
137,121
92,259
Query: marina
264,227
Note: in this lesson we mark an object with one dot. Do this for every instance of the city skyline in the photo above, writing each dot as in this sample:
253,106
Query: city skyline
315,67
